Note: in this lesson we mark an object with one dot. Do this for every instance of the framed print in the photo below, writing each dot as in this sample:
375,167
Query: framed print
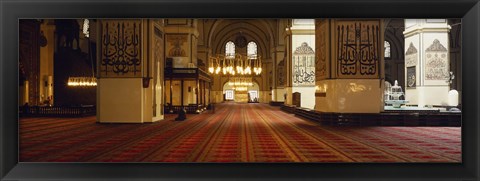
159,90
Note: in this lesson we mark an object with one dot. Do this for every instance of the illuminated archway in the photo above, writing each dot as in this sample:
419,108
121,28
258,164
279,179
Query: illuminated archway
250,94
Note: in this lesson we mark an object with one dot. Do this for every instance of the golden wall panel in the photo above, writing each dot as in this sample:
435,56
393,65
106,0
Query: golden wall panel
177,45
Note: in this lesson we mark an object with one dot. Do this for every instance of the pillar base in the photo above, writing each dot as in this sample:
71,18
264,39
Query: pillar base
349,96
289,92
431,95
278,95
120,100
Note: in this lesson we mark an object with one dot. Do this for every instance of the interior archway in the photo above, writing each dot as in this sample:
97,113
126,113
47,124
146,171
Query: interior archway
233,93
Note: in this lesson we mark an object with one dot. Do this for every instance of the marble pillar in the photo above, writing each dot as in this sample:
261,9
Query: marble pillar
349,65
303,61
427,61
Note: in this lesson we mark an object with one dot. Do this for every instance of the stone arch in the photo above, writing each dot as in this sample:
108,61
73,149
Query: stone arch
258,30
394,35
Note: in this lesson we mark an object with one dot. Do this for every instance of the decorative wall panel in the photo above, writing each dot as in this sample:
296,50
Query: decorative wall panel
436,65
321,38
411,77
411,56
177,45
240,41
303,66
358,49
121,48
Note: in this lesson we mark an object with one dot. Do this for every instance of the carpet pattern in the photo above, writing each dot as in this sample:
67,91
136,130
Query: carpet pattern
235,133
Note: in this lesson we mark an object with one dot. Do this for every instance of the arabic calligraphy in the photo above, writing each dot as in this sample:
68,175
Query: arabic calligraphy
121,48
358,49
304,66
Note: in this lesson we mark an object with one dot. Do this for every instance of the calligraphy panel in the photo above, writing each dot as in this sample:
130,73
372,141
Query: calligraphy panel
436,64
121,49
411,77
358,48
411,56
303,66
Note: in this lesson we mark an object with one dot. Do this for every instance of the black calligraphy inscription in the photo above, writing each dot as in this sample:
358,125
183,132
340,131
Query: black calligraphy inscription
121,48
304,66
358,49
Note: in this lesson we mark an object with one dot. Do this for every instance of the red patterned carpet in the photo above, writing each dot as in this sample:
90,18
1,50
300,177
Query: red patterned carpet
235,133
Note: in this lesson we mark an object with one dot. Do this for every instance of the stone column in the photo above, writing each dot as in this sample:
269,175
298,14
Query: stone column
427,61
303,60
349,65
124,83
158,68
288,65
278,88
46,60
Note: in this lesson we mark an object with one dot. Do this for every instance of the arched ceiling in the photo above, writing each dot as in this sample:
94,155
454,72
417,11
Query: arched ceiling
257,30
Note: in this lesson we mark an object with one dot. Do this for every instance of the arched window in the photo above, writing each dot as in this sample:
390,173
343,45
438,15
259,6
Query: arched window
252,50
230,49
387,49
86,26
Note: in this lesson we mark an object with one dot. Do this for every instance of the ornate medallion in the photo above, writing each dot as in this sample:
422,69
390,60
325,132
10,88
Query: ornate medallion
411,77
240,41
411,80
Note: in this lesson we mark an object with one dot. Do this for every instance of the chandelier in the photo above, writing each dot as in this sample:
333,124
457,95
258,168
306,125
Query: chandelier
240,83
235,64
82,81
243,89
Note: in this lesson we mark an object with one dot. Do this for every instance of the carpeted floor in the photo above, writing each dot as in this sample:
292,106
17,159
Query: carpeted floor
235,133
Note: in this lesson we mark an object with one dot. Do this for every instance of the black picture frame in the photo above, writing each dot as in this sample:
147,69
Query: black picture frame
11,11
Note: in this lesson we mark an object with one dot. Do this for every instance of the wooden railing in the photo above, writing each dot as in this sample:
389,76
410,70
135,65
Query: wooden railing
57,111
187,73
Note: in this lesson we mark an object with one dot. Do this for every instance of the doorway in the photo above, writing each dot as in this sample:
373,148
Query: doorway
253,96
